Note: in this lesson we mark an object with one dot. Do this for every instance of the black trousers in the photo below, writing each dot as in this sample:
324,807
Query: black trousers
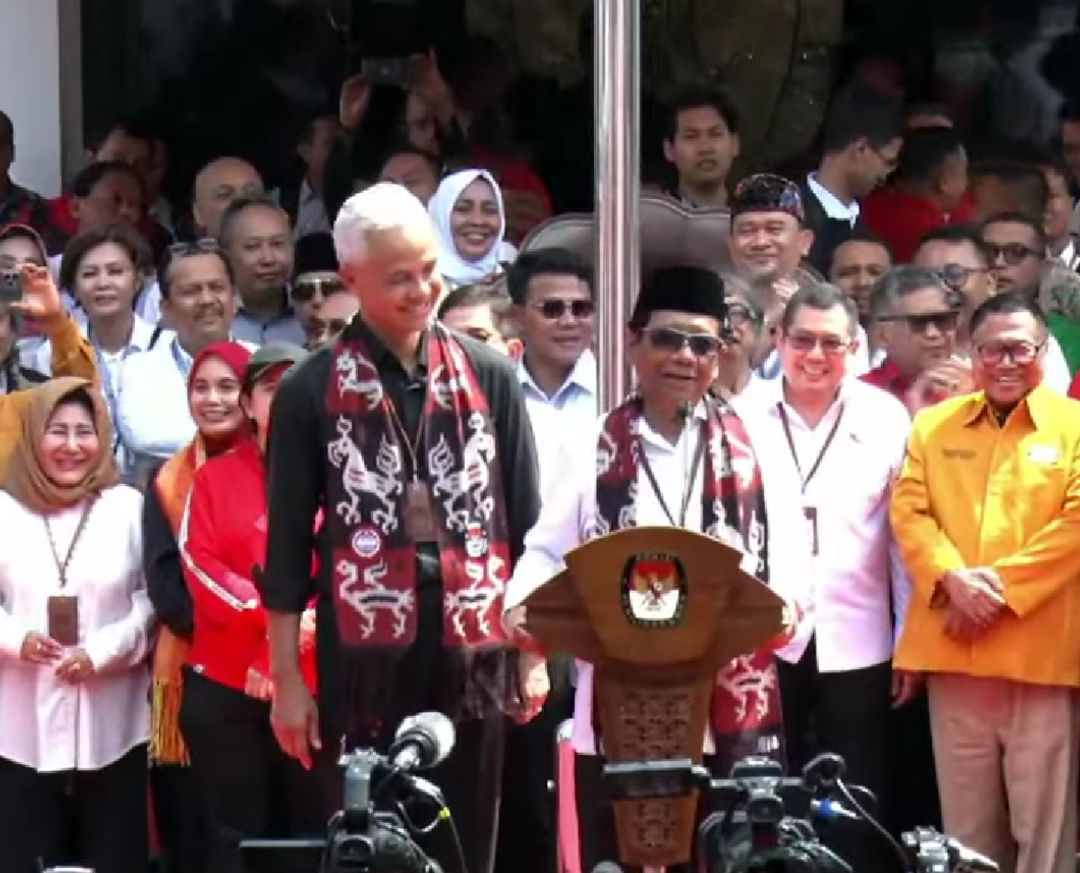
94,818
846,713
471,776
180,819
528,832
250,788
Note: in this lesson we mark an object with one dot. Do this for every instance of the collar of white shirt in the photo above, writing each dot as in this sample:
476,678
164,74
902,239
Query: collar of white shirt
834,207
582,376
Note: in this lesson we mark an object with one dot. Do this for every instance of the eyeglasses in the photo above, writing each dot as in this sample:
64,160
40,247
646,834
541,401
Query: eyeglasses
553,309
807,342
673,341
943,322
956,275
206,245
739,315
306,287
1012,253
1020,352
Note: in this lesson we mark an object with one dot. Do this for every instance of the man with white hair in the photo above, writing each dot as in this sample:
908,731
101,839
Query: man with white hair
414,445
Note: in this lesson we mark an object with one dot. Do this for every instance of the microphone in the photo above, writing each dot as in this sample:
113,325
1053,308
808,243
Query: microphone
967,858
607,867
686,409
422,741
828,809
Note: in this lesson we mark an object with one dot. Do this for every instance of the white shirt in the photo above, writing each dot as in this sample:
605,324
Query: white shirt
50,725
559,420
310,213
852,589
834,207
571,513
1057,374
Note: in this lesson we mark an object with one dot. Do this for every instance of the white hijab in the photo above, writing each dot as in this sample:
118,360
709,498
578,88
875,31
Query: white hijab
455,269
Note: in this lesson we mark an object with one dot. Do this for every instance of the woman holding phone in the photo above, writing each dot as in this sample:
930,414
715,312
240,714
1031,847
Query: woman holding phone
74,635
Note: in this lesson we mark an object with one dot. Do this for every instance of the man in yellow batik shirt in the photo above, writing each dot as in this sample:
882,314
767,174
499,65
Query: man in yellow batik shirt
986,513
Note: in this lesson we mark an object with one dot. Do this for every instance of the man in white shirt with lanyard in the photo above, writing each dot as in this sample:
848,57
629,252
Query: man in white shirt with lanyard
670,455
834,445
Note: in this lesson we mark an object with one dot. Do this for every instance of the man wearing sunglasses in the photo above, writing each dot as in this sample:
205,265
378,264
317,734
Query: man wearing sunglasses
985,512
552,296
917,322
1016,247
648,466
834,445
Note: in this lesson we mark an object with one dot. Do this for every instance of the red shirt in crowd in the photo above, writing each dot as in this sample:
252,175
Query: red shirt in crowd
888,377
223,545
903,219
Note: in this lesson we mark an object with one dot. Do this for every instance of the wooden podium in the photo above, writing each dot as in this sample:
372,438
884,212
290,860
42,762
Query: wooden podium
656,610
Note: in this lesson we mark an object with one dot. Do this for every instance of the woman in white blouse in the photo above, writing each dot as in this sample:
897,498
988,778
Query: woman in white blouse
74,627
105,268
470,221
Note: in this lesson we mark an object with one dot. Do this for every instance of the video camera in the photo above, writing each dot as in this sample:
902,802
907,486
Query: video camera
375,830
765,821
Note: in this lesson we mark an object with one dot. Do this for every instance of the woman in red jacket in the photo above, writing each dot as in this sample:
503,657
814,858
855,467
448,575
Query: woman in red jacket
252,789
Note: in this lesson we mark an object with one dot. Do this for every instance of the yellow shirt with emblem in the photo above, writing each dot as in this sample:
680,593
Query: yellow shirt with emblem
976,494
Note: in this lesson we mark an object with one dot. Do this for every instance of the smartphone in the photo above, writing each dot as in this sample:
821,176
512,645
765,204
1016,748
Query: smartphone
11,286
396,71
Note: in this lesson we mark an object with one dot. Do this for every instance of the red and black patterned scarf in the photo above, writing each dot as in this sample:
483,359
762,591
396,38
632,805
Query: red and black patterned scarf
374,572
746,712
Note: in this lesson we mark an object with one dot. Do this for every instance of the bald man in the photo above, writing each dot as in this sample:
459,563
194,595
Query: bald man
217,185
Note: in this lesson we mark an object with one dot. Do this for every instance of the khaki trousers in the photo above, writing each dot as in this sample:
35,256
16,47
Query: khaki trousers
1006,758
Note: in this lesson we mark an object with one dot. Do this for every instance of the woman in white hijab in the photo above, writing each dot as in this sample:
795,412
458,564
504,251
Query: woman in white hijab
469,218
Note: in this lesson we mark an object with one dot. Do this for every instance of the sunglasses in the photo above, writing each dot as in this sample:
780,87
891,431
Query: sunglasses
956,275
1012,253
554,309
673,341
943,322
333,326
1021,352
305,288
807,342
738,315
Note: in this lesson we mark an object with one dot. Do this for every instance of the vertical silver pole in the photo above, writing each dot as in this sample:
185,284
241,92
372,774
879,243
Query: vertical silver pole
617,41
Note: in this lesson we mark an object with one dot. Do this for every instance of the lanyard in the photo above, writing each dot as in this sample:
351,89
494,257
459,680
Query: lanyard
183,364
412,446
805,480
62,565
688,485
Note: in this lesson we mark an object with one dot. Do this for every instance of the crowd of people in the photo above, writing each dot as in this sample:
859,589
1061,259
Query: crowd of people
282,469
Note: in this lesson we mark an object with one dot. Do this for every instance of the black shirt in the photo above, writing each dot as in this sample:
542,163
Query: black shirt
165,583
300,431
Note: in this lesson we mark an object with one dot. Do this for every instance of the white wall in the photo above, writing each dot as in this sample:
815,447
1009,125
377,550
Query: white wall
40,42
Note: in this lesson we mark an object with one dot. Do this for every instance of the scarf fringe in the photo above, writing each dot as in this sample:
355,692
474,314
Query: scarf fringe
167,746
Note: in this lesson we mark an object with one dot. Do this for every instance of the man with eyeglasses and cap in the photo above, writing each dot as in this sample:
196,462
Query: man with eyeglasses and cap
672,455
770,240
834,445
985,512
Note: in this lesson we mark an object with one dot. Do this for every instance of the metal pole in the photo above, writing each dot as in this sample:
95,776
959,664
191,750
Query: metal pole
617,84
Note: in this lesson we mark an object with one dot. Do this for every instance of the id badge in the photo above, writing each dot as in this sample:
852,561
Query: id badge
810,513
63,613
419,513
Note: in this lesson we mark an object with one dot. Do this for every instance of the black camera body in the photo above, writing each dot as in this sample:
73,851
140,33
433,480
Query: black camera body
381,845
755,832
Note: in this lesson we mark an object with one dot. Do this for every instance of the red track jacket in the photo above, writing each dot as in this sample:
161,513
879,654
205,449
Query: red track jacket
222,542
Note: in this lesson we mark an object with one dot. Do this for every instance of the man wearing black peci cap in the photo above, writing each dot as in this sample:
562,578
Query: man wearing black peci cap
671,455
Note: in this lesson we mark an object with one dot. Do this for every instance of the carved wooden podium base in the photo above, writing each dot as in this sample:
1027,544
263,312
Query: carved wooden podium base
656,610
